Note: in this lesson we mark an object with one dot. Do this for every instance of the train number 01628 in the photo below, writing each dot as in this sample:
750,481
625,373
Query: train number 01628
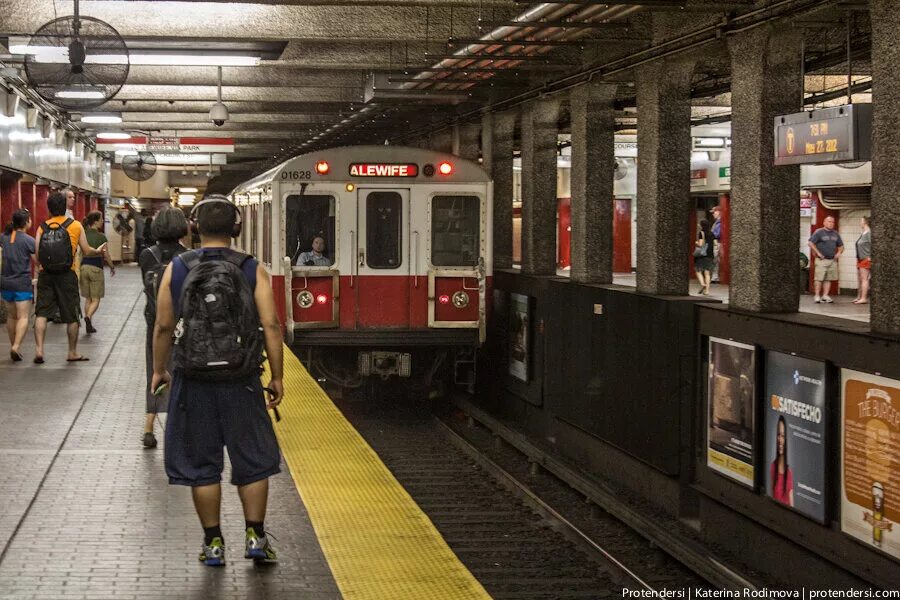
295,175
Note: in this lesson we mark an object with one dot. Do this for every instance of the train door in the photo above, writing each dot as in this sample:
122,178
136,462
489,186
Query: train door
381,261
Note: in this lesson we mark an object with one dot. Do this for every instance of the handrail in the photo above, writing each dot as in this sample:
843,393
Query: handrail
353,266
288,299
416,273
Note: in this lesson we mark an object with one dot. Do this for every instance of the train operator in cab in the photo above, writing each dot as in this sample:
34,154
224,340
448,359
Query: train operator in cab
315,256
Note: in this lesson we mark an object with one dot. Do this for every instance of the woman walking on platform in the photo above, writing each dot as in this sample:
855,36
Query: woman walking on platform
863,262
167,229
15,288
704,257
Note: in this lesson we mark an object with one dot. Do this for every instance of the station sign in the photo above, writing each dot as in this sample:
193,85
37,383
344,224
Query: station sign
384,169
183,145
829,135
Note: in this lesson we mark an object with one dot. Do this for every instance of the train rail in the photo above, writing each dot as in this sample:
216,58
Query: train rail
515,541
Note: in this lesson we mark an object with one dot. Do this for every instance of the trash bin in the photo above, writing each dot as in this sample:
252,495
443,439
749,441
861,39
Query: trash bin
804,274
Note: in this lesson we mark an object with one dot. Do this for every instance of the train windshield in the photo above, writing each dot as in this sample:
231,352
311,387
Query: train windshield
309,230
455,231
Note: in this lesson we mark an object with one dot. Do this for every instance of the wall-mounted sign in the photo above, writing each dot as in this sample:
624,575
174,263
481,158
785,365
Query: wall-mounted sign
796,426
698,176
870,460
519,336
731,390
828,135
183,145
384,170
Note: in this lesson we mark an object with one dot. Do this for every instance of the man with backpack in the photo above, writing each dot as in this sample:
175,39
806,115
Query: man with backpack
219,307
168,228
58,239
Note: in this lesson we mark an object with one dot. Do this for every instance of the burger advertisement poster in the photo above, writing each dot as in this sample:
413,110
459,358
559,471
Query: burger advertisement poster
795,427
870,459
731,390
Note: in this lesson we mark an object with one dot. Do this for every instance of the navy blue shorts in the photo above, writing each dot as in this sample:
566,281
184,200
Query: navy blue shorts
206,416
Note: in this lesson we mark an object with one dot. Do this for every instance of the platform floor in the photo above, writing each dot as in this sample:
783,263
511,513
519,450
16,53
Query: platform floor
88,513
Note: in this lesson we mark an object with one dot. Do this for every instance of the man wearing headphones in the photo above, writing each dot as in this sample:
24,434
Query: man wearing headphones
219,402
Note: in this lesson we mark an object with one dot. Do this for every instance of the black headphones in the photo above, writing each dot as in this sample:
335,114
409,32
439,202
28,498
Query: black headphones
238,220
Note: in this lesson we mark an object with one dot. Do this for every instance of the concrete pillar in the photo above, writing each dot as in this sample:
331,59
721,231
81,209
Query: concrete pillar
885,315
539,131
764,215
467,141
497,133
593,163
663,177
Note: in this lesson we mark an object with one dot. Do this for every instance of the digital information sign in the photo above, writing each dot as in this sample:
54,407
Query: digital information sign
829,135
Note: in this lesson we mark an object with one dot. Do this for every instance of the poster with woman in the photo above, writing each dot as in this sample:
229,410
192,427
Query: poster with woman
731,389
519,328
795,433
870,459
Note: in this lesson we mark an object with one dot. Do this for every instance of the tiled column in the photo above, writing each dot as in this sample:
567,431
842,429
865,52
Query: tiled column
885,167
497,133
539,152
593,163
764,213
467,141
663,175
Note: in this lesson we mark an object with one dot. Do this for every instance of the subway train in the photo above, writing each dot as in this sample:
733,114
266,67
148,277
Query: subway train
380,258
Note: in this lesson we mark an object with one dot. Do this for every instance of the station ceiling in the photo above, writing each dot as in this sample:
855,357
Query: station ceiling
314,84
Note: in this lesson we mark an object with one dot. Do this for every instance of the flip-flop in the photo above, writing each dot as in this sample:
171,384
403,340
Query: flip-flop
38,360
79,359
15,356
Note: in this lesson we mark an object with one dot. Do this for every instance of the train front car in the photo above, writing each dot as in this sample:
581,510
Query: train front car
380,257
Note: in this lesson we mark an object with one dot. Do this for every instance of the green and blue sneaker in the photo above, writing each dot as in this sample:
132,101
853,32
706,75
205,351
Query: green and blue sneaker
213,555
259,548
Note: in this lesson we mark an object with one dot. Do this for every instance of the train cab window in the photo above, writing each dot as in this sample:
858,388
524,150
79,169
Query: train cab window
383,229
309,230
455,231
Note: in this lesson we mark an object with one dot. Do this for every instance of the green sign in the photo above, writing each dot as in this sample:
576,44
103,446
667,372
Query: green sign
724,171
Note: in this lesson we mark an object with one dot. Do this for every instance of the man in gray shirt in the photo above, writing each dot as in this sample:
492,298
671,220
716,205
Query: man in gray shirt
826,245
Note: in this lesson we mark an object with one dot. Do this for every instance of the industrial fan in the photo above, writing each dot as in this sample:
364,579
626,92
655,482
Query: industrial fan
77,62
139,167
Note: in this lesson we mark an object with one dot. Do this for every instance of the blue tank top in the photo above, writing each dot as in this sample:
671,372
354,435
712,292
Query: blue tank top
180,271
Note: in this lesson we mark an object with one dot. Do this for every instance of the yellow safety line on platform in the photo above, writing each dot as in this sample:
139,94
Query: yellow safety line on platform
378,542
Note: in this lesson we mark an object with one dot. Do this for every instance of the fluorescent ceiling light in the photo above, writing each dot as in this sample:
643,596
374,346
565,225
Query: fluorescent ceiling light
81,94
101,118
187,198
113,135
60,55
709,142
126,152
188,190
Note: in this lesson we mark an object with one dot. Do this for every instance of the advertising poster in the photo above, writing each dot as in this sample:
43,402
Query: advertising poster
796,425
731,391
870,459
519,333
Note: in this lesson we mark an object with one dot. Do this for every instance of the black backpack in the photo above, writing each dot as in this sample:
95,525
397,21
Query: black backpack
218,334
153,275
56,247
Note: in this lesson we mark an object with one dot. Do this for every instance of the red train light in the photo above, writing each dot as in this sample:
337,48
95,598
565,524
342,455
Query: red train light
321,298
322,167
445,168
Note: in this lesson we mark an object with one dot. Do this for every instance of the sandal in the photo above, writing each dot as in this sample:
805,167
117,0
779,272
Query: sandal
15,356
38,360
79,359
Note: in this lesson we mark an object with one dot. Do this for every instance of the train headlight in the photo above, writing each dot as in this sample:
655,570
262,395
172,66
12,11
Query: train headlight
305,299
445,168
322,167
321,298
460,299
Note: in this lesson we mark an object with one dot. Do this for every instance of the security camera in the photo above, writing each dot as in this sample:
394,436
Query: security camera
218,114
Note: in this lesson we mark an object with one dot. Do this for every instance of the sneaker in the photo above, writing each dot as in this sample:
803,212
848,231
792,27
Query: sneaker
149,440
827,299
88,326
259,548
818,299
214,554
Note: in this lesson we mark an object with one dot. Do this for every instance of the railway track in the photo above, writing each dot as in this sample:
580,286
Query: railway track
520,532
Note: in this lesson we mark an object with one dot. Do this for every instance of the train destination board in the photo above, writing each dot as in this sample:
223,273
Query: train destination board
830,135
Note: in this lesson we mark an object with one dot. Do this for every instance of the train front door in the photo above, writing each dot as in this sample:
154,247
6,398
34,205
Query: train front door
381,264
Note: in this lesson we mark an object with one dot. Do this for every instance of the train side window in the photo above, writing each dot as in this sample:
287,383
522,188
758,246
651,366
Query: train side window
455,231
383,229
309,217
267,233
